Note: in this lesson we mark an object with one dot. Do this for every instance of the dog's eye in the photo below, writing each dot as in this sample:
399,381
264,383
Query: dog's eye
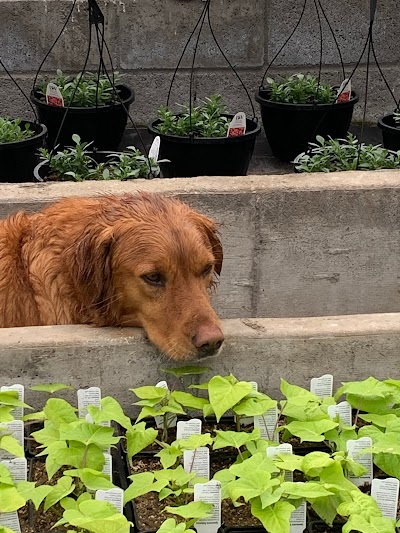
207,270
154,278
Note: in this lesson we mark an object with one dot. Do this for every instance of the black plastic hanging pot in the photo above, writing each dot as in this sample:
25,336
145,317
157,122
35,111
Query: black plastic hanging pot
206,156
19,158
104,125
290,127
390,133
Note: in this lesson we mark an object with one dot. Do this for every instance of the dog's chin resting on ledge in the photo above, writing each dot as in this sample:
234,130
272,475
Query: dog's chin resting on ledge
134,260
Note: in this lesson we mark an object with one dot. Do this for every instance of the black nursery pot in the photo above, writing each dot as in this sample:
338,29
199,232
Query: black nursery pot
290,127
18,159
205,156
104,125
390,133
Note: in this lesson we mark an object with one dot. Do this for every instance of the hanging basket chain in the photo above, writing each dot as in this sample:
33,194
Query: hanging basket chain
20,90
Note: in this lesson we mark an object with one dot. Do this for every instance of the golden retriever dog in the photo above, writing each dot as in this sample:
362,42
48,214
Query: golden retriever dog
136,260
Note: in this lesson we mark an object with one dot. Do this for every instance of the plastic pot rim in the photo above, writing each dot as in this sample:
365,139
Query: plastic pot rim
40,135
305,107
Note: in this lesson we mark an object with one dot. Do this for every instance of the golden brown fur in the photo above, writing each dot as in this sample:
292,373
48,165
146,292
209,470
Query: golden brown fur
85,261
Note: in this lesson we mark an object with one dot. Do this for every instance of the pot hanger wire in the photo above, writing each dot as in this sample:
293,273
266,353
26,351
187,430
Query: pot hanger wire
205,17
20,89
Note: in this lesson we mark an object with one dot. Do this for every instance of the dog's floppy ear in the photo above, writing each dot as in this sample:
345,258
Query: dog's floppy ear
208,226
93,270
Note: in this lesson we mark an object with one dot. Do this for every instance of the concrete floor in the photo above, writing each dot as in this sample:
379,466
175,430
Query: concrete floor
263,162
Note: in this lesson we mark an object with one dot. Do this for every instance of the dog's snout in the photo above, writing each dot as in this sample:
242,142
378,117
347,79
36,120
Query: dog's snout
208,339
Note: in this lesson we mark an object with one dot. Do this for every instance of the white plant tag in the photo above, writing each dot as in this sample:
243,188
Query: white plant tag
16,429
155,148
17,467
285,448
267,424
171,417
54,96
365,459
184,429
209,493
198,461
343,409
237,126
11,521
114,496
107,467
17,412
386,494
344,92
298,519
86,397
322,386
247,420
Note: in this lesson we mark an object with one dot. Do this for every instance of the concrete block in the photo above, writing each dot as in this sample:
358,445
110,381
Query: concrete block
153,35
350,23
265,350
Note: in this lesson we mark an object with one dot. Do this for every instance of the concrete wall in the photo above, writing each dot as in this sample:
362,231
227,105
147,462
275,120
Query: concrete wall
294,245
146,39
264,350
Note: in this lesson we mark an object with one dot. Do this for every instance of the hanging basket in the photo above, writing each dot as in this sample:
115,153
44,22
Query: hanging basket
104,125
390,132
19,158
290,127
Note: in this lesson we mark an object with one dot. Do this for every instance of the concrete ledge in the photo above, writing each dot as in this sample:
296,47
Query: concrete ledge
349,347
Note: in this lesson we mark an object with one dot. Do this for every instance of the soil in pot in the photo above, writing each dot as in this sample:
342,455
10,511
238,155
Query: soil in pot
290,127
18,159
105,125
202,156
390,132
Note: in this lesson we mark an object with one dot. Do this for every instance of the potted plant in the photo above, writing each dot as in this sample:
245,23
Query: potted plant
297,109
196,142
335,155
19,142
390,126
79,163
93,106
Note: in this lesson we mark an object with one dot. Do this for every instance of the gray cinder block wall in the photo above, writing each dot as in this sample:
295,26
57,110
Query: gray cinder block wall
146,39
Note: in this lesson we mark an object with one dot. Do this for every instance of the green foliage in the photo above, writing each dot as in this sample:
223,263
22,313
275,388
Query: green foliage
51,388
301,89
90,90
364,515
75,163
189,370
333,155
206,120
11,131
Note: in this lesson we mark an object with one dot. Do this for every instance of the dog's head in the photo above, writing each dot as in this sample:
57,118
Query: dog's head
151,261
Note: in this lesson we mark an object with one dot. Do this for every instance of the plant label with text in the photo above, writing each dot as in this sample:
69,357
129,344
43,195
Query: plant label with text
54,96
267,423
11,521
16,430
322,386
298,519
209,493
344,92
17,467
86,397
237,126
171,417
286,449
113,496
386,494
343,409
17,412
184,429
107,468
246,420
354,447
197,461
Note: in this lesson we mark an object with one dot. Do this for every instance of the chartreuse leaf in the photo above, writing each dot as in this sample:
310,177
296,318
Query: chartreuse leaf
39,494
223,394
5,476
311,431
191,510
4,529
142,484
63,487
253,484
11,398
59,412
275,518
389,463
75,454
170,526
169,455
288,461
87,434
254,406
92,479
96,516
361,504
307,490
110,410
234,438
377,524
10,499
378,420
188,370
150,393
224,476
5,414
298,394
255,463
176,475
138,437
34,416
71,503
51,388
188,400
11,445
25,488
313,463
195,441
370,395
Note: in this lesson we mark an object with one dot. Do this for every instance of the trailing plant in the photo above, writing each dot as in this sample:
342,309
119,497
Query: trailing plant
87,91
301,89
75,163
11,131
205,120
333,155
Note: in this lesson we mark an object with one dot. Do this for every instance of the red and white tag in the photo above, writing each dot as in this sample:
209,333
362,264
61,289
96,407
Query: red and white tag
344,92
237,127
54,96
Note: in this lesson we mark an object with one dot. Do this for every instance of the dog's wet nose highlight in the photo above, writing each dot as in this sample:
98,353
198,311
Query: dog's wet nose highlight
208,339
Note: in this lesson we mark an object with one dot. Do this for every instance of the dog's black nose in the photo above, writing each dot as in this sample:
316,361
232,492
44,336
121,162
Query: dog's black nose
208,339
